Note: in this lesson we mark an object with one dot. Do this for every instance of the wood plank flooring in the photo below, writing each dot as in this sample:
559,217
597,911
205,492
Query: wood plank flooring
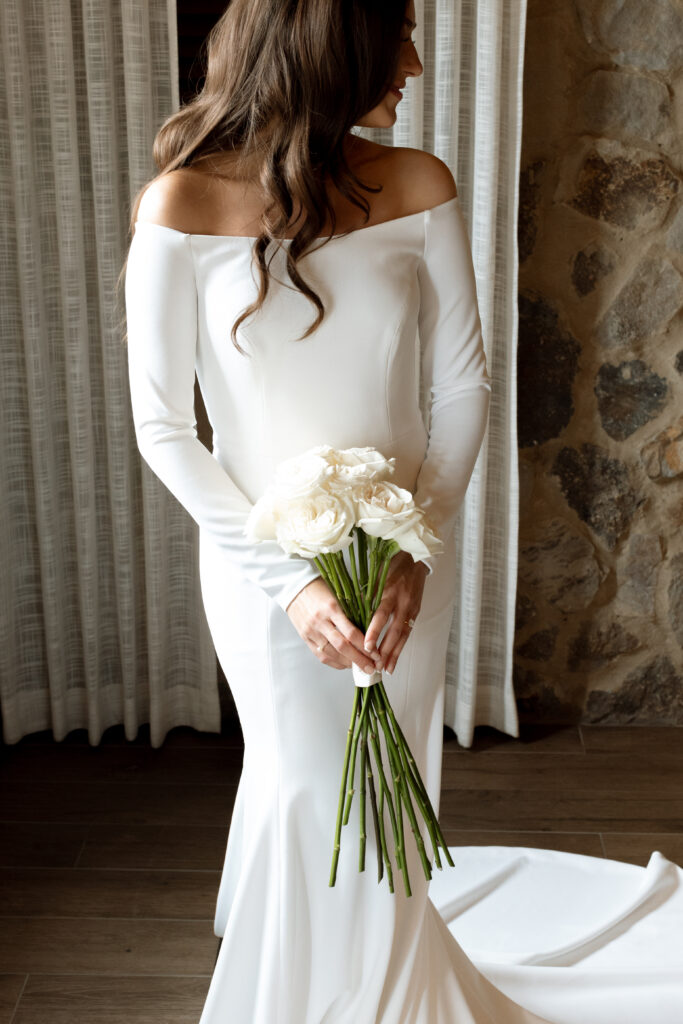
110,856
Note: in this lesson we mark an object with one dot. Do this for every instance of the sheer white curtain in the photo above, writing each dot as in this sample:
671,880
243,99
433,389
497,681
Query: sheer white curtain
467,109
101,620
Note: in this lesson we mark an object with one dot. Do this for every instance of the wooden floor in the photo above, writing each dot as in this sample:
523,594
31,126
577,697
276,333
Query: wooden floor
111,855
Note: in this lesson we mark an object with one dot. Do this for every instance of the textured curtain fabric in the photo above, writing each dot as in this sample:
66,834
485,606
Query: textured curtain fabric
467,109
102,621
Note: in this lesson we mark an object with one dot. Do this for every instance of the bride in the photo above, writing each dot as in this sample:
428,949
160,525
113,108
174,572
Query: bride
314,281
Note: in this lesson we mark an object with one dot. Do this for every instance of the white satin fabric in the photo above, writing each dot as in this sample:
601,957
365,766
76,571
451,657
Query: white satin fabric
400,300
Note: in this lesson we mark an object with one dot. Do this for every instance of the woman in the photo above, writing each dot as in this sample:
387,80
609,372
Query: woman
308,311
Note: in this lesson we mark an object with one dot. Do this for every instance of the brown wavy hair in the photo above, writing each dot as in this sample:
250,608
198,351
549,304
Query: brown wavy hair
285,81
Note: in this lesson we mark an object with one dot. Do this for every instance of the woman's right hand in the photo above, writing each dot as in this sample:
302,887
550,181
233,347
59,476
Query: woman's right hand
320,621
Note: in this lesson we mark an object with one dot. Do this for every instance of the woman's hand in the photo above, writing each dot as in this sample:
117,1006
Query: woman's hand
320,621
401,600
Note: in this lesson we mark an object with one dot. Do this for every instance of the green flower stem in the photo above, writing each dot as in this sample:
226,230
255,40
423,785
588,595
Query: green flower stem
372,572
417,779
401,857
356,586
337,586
363,756
352,771
365,555
396,782
337,835
362,538
324,572
387,554
400,767
384,791
347,586
354,745
383,841
373,807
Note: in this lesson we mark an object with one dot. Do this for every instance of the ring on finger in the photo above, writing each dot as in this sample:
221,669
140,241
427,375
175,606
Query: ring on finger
409,622
321,647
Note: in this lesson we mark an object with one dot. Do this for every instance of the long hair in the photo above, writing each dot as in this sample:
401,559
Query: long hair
285,81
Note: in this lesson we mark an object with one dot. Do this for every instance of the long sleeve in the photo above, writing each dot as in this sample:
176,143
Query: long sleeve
161,312
453,366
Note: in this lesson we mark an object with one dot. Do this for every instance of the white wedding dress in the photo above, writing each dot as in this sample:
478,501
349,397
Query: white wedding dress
508,935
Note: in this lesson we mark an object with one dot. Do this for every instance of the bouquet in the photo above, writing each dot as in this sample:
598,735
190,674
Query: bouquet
323,505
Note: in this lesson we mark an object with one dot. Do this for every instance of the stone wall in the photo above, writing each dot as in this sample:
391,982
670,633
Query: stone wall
599,631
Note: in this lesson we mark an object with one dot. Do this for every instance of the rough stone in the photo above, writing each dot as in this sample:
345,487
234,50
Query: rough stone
646,302
547,361
598,488
652,694
662,455
590,266
643,35
623,103
540,646
526,473
527,221
675,597
595,644
637,580
674,236
561,566
537,701
629,395
630,191
525,611
678,364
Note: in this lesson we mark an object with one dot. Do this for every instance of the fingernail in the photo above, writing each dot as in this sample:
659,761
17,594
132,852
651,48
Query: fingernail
376,655
367,645
370,669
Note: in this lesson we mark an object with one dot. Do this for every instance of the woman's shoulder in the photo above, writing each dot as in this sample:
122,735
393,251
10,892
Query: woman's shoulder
420,179
173,199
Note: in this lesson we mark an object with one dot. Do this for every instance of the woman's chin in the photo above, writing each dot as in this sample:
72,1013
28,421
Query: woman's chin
384,118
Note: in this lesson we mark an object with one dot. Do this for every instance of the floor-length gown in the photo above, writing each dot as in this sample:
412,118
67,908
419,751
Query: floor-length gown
508,935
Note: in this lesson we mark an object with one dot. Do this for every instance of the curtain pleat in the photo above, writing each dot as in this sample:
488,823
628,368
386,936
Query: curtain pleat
102,618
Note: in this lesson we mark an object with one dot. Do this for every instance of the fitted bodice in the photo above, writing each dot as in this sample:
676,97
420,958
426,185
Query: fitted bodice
358,373
400,305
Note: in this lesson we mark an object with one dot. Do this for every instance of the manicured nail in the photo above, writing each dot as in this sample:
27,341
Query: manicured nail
370,669
367,645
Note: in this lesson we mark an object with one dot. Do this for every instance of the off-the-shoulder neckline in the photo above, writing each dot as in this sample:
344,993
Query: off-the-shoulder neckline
319,238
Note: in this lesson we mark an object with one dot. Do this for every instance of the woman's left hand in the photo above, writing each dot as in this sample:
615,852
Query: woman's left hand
401,600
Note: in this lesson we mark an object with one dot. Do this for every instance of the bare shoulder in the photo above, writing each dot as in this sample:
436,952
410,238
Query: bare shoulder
412,179
175,200
423,180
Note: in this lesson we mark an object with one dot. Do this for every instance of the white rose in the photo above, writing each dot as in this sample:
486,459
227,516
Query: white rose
388,511
260,523
316,524
355,465
302,474
420,541
381,506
